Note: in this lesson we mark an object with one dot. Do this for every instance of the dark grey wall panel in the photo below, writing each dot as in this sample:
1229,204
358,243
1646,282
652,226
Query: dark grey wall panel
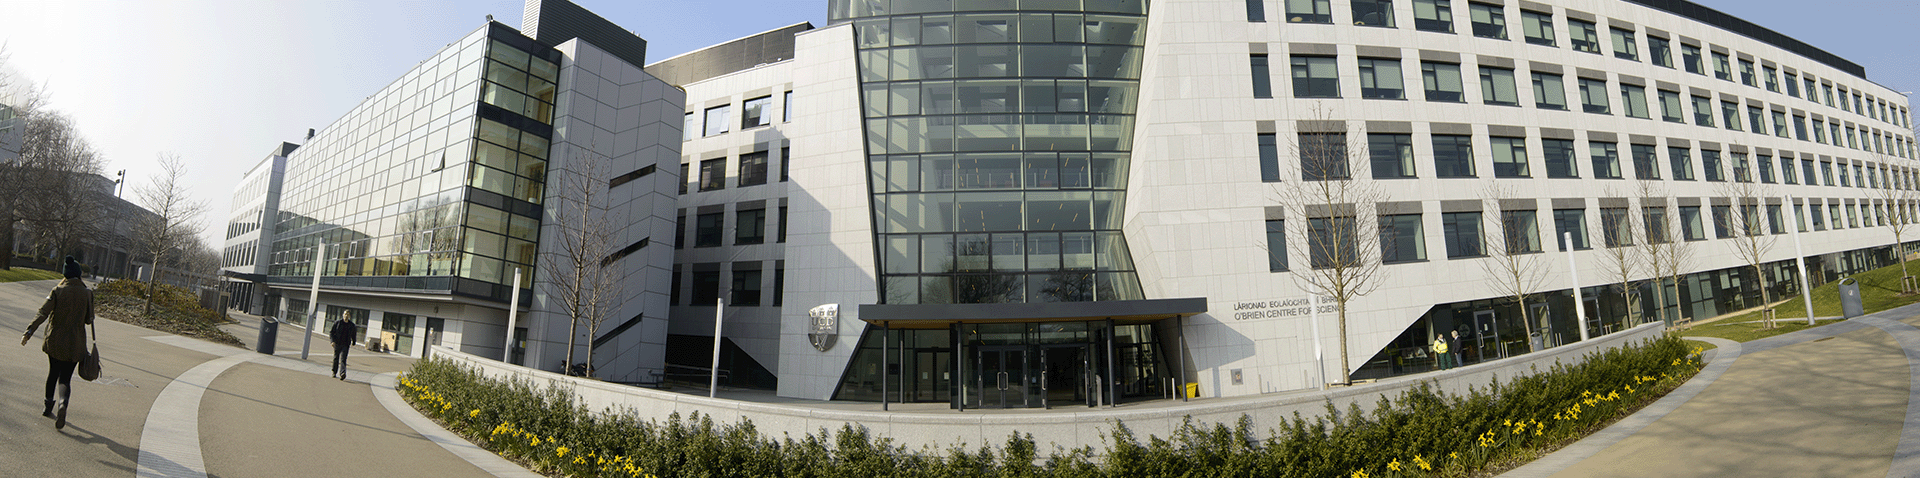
729,57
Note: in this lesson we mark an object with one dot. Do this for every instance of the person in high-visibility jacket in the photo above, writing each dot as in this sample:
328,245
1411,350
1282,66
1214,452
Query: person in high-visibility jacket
1442,359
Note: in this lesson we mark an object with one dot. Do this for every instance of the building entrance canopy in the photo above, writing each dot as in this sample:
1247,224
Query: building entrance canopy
922,316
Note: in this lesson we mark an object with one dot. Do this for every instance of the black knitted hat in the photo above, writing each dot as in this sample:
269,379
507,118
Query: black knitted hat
72,268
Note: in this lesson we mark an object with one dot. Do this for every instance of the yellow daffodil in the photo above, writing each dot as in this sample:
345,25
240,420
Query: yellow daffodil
560,452
1422,463
1394,465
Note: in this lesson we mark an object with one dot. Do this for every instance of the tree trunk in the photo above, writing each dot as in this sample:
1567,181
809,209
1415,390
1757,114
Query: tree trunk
153,279
1346,371
6,242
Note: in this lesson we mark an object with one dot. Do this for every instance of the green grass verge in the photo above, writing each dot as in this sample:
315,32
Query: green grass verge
1747,331
1879,290
18,274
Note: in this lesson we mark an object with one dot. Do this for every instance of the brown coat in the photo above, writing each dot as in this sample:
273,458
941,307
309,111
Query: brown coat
70,308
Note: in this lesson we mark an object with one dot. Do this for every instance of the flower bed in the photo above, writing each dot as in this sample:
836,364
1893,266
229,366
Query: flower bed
1422,432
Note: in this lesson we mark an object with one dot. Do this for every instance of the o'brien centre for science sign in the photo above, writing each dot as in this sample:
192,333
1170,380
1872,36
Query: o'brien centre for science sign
1279,308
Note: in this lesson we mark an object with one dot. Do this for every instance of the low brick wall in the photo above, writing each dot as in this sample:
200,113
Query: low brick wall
1067,427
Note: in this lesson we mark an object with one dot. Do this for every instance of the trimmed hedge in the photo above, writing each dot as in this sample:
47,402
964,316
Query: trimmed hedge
1421,432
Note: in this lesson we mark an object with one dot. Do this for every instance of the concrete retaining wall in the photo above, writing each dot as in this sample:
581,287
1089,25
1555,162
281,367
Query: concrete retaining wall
1059,427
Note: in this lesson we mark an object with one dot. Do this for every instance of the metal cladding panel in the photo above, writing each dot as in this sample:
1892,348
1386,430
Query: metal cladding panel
770,47
553,22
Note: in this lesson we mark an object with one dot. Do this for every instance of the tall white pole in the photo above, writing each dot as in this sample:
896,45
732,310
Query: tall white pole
313,301
1319,357
1800,261
713,381
1573,274
513,320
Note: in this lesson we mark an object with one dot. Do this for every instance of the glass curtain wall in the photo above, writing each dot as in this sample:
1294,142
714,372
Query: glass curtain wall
999,141
435,182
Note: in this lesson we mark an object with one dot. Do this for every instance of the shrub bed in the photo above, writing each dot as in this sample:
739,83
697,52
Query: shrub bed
1421,432
175,310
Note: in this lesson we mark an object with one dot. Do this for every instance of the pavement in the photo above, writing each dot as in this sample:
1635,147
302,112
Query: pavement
173,406
1835,400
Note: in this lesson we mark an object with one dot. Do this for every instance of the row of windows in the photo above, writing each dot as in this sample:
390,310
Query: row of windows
1489,21
1324,156
1024,27
1382,78
754,113
1401,237
752,171
239,255
750,227
745,281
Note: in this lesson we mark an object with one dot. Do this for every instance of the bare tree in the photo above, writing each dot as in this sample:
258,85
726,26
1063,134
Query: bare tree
1896,197
1666,257
1744,222
1343,235
175,221
583,271
64,206
1622,262
1514,266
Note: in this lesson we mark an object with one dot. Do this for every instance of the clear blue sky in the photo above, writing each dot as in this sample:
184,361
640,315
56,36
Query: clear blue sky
221,82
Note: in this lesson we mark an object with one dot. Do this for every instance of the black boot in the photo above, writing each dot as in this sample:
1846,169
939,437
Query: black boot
60,416
47,412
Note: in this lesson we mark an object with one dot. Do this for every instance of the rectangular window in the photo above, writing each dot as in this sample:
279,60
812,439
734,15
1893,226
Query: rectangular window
1497,86
1537,27
1747,77
1571,221
1606,159
750,226
753,168
1765,165
1646,164
1262,77
1670,109
1655,220
1827,90
1703,111
1276,245
1812,93
1583,36
1757,119
690,129
1520,230
706,229
1489,21
1624,46
1433,15
1690,226
1323,156
1559,158
1309,11
786,107
716,120
1381,79
1593,96
1775,220
1780,123
1819,217
786,159
1400,239
1710,162
1723,222
1856,105
1634,100
1806,168
713,174
1690,56
1256,10
1851,143
746,285
1660,50
1820,131
706,287
1616,230
1800,128
1391,154
1826,173
1834,126
1787,171
1373,13
1452,156
1730,113
779,285
1681,161
680,230
1510,158
1462,231
1549,91
1331,242
780,234
1742,171
1269,145
1770,76
1722,66
683,178
1793,85
1315,77
1442,81
755,112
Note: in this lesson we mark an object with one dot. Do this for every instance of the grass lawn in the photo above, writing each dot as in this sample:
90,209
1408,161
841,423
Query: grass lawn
1879,290
1702,345
18,274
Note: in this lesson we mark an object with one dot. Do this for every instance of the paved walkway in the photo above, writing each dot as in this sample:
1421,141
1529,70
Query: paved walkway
1836,400
179,407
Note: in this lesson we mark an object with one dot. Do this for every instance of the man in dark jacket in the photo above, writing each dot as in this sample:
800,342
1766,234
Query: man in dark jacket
67,312
342,333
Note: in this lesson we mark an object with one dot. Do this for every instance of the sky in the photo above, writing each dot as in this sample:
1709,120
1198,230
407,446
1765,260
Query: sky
220,83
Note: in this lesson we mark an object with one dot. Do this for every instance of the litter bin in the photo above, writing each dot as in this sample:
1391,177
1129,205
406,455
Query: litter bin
269,333
1849,298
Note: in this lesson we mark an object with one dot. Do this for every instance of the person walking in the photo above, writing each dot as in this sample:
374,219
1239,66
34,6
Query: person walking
342,334
67,312
1453,344
1442,360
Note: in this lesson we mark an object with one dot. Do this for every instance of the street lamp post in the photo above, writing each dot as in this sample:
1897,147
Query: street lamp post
1800,261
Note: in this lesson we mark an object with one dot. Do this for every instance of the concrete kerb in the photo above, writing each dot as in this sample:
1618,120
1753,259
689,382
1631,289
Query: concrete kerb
1058,428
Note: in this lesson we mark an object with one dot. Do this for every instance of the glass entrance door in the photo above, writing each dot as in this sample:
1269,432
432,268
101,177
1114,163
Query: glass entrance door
1002,377
1486,337
1063,375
